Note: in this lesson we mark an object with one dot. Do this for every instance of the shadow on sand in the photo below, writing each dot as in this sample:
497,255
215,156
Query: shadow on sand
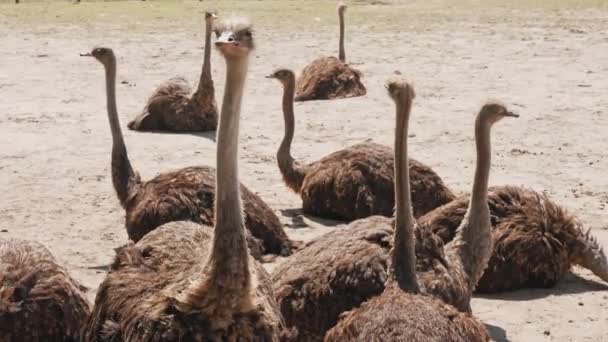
301,220
571,284
207,135
497,333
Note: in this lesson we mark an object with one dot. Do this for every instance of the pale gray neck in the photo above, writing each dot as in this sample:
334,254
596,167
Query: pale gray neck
403,256
230,252
284,153
473,241
206,74
341,53
479,194
117,138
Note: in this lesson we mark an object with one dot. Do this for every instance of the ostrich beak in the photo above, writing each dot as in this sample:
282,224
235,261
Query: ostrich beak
88,54
226,40
511,114
270,76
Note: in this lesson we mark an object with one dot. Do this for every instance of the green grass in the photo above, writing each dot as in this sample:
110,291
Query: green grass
293,15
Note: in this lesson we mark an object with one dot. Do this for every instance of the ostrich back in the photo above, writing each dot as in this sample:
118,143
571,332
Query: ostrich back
189,194
358,182
136,301
399,316
39,301
535,241
343,269
328,78
171,108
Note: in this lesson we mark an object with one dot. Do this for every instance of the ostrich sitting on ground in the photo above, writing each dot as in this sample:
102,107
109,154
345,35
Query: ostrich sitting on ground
171,108
344,268
186,194
39,301
402,312
535,240
330,77
353,183
187,282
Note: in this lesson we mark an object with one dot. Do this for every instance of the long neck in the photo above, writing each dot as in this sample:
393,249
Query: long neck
292,174
473,240
123,176
479,194
403,256
229,259
341,53
206,73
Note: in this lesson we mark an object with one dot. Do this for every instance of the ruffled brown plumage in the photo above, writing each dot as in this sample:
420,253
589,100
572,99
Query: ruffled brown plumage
39,301
328,78
341,270
358,182
399,316
344,268
171,108
536,241
189,194
137,300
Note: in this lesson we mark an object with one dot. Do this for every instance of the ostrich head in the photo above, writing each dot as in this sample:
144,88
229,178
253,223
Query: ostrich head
399,88
102,54
234,37
341,7
283,75
210,15
493,112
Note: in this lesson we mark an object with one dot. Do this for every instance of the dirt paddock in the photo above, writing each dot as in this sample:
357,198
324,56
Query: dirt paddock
547,60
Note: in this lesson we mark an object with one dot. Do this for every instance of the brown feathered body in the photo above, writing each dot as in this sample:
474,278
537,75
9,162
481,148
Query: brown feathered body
171,108
358,182
535,240
189,194
399,316
346,267
328,78
137,300
39,301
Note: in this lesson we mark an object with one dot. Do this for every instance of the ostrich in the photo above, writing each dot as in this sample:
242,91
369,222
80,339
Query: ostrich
344,268
353,183
186,194
330,77
402,312
187,282
535,240
171,108
39,301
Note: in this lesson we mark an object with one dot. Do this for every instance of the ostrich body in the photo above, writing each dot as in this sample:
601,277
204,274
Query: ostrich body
190,282
353,183
401,312
344,268
39,301
535,240
186,194
330,77
171,108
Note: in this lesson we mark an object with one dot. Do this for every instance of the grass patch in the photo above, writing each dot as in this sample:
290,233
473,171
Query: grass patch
309,15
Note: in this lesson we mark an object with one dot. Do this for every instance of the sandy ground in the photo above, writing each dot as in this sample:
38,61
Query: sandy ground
550,66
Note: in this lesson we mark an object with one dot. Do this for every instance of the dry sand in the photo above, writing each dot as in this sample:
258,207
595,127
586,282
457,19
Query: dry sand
550,66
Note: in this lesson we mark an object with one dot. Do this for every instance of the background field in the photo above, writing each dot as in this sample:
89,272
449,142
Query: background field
547,60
